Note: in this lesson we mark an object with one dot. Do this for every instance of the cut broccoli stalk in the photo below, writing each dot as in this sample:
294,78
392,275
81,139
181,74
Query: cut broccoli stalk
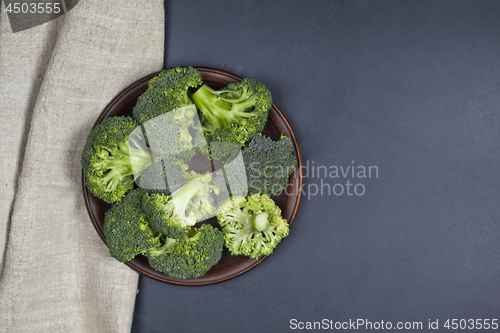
260,221
181,198
220,111
256,221
107,158
173,215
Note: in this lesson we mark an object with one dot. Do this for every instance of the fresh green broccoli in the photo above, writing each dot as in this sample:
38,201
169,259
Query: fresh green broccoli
190,256
126,229
228,158
166,92
174,215
235,113
176,135
252,226
153,178
107,158
268,164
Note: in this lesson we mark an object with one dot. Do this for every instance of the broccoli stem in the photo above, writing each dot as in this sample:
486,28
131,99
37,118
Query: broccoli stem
138,158
222,111
118,165
169,244
125,161
113,178
239,108
258,221
244,95
183,195
193,235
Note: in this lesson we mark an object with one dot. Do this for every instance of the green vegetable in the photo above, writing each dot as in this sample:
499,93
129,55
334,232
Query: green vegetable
176,135
166,92
159,219
107,155
190,256
235,113
174,215
268,164
252,226
126,229
153,178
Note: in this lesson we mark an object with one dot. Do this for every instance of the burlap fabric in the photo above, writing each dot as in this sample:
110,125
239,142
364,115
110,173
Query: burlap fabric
56,275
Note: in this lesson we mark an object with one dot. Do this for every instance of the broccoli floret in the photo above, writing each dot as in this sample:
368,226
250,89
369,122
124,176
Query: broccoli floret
166,92
268,164
235,113
228,158
153,178
106,158
174,215
190,256
126,229
176,135
252,227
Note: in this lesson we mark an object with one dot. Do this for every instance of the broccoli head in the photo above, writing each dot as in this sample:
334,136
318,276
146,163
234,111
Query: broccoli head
126,229
176,135
190,256
166,92
252,226
153,178
174,215
235,113
107,155
268,164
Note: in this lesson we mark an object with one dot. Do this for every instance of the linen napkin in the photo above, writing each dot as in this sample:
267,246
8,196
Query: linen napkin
56,274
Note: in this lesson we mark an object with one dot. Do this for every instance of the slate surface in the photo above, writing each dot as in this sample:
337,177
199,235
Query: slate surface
409,87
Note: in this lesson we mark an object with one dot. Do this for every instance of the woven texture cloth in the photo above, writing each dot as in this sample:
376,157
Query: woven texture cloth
56,275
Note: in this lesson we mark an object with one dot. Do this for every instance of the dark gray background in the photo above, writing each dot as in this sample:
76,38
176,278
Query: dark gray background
412,87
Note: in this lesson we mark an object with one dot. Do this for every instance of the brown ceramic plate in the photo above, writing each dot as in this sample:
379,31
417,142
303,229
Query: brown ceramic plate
229,266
